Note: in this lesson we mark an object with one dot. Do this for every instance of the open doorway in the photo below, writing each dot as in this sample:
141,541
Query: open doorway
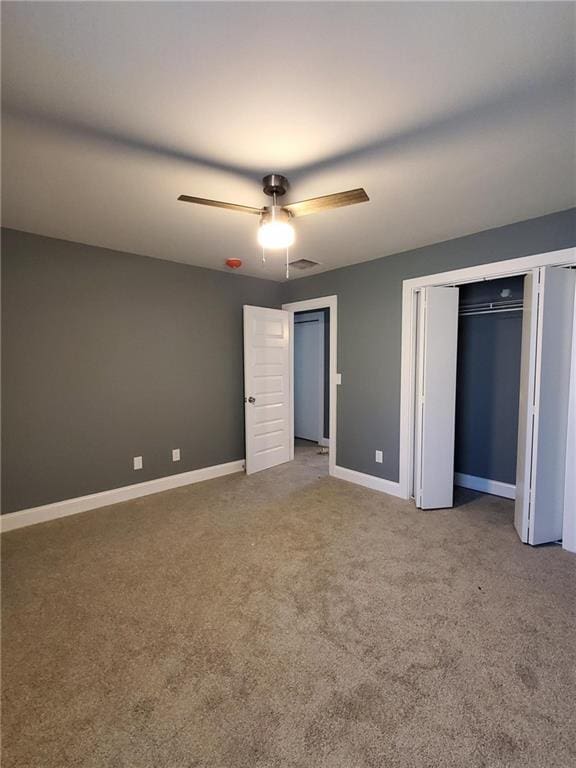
314,381
312,386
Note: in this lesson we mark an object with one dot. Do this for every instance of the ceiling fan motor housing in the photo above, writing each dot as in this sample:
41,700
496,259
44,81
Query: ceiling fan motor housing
275,213
275,184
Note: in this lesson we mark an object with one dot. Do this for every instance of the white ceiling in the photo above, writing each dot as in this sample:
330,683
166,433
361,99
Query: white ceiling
455,117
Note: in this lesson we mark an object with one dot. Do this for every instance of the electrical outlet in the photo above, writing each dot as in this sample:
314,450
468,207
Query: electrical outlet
137,462
176,454
379,457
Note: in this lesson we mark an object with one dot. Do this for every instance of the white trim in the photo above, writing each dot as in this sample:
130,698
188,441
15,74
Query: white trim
331,303
496,269
492,271
24,517
324,442
484,485
368,481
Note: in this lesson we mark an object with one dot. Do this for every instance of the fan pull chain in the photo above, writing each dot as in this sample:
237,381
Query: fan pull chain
263,255
287,265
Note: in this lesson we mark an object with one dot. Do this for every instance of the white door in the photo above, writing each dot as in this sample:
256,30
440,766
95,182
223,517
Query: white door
436,397
267,406
309,377
544,400
569,524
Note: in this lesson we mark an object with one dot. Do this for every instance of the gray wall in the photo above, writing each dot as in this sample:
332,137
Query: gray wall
369,327
488,384
108,355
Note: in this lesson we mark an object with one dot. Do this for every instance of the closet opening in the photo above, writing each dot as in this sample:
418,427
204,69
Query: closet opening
492,369
488,368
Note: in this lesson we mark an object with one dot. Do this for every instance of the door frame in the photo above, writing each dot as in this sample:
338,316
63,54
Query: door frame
410,292
323,302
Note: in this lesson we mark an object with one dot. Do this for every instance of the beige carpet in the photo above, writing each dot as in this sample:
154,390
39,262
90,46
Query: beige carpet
287,619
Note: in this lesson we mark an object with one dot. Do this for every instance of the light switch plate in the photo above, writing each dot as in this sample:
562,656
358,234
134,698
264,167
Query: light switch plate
338,378
137,462
176,454
379,457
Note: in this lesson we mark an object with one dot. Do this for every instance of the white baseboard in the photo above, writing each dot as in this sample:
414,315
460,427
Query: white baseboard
482,484
324,442
368,481
24,517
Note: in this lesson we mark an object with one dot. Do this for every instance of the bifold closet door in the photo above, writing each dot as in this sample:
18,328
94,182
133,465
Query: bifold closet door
267,406
437,341
544,399
526,406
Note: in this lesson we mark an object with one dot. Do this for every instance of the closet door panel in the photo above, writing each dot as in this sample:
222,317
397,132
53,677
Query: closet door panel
552,399
526,407
544,400
438,342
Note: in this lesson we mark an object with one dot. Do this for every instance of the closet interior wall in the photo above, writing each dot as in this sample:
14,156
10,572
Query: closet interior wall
488,381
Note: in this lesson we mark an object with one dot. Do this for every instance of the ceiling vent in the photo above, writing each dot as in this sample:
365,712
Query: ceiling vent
304,264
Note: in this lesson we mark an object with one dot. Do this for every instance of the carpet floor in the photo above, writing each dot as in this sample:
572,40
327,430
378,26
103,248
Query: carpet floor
287,619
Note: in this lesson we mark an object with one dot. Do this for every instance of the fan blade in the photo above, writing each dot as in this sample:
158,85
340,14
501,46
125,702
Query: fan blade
317,204
219,204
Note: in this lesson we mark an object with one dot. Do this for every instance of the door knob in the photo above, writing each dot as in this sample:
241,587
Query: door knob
251,399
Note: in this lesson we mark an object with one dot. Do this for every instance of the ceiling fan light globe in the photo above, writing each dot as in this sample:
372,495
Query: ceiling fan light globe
274,235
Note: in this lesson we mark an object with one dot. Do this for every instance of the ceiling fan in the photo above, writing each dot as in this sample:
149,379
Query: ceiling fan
275,230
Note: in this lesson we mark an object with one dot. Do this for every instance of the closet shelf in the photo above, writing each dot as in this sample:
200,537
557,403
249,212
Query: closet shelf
491,307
